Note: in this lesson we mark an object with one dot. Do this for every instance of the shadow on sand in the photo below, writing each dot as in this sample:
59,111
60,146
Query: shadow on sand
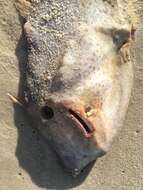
32,151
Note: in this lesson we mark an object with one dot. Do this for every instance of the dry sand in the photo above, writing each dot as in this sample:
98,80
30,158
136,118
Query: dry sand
26,162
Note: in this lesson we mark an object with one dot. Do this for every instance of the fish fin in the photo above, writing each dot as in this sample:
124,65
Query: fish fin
23,7
14,100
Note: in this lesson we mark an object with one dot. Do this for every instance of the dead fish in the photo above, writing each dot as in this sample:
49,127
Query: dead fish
79,73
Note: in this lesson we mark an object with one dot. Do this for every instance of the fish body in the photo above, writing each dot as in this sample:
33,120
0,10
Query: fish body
79,74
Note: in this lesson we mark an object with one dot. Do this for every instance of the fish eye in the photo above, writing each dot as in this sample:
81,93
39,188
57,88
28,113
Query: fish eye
47,112
121,37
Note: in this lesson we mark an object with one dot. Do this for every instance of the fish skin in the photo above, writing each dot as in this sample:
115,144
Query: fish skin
79,65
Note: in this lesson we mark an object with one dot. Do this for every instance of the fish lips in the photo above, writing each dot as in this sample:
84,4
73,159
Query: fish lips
75,146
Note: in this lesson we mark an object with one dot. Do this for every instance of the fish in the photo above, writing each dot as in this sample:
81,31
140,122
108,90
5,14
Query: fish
79,73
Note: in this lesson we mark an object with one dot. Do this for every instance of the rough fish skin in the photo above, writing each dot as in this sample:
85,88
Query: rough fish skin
79,74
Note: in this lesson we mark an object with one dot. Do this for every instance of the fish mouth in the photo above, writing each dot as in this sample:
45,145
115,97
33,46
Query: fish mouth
71,135
83,124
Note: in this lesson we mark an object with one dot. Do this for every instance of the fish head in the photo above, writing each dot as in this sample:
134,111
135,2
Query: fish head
89,94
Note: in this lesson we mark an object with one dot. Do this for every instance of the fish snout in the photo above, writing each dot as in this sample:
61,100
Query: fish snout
74,111
70,133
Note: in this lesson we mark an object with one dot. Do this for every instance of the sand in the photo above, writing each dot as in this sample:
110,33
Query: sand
27,163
